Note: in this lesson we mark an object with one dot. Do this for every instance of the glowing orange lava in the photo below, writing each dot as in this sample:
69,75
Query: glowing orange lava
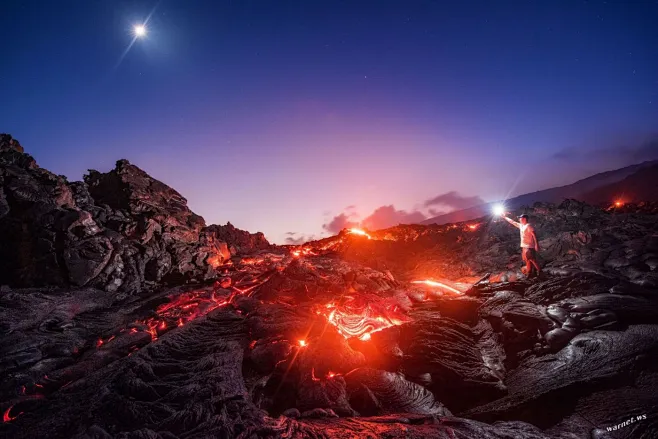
305,251
473,227
214,261
7,417
180,310
433,283
357,317
359,232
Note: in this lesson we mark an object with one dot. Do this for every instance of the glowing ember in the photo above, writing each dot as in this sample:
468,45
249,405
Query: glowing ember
619,203
302,343
7,417
473,226
214,261
331,375
359,232
433,283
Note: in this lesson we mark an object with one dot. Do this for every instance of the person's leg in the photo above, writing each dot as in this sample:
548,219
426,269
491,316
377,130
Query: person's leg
534,262
528,264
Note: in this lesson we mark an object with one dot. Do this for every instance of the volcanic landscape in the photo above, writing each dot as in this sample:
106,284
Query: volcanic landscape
122,315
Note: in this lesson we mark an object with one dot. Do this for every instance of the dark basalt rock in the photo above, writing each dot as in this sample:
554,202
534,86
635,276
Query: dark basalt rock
120,231
377,392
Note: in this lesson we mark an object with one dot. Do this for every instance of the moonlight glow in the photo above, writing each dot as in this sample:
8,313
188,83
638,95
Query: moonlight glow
139,30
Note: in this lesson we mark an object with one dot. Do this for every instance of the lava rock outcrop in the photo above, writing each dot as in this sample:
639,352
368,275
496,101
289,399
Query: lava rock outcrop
120,231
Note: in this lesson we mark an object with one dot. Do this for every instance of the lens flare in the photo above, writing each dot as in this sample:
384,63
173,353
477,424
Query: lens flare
499,210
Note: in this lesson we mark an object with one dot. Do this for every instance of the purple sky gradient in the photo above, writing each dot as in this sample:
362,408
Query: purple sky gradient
276,116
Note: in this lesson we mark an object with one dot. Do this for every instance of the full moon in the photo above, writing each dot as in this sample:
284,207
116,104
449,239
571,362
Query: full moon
139,30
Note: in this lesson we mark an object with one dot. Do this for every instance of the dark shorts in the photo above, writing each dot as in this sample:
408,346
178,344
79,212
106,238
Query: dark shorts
529,254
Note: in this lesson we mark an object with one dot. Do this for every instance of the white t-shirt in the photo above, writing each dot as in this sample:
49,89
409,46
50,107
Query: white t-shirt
527,237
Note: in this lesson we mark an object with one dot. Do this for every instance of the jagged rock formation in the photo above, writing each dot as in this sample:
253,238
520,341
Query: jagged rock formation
120,231
332,339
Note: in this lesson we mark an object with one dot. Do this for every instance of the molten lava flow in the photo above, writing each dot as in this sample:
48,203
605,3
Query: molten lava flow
359,318
7,417
433,283
214,261
360,232
303,251
182,309
473,227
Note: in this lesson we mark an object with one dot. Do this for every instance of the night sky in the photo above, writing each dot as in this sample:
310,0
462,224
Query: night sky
294,116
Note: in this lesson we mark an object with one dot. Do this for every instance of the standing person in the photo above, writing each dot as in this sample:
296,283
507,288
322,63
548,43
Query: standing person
529,243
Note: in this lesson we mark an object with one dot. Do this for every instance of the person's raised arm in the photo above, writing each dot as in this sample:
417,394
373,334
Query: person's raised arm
512,222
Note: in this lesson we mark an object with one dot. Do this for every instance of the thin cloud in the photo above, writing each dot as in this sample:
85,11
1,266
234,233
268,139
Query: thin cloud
388,216
298,238
339,222
618,154
454,201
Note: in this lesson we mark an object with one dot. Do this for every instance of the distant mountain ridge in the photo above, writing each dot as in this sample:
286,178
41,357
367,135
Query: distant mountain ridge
632,183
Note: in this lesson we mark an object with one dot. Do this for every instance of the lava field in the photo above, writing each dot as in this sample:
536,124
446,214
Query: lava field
122,315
